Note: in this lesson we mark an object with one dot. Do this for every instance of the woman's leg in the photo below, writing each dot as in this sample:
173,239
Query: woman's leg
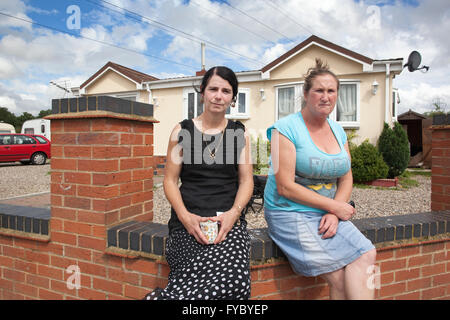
335,281
358,275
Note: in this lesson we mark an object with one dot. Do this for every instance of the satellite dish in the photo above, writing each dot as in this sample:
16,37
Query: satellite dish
414,61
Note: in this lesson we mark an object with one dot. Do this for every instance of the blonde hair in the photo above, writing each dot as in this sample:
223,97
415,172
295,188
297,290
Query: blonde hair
321,68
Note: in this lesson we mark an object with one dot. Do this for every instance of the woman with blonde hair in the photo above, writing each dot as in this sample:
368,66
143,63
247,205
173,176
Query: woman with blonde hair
308,190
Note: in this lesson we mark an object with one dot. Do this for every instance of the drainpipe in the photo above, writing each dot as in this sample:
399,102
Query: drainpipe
147,87
387,113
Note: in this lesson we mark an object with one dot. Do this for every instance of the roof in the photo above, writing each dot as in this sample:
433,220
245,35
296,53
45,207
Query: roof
134,75
411,115
320,41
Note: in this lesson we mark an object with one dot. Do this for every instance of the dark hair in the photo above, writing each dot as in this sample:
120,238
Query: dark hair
320,69
223,72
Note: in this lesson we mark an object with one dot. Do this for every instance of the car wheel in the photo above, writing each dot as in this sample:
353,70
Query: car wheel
38,158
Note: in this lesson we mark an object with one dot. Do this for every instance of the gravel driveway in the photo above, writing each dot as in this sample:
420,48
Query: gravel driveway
370,202
17,180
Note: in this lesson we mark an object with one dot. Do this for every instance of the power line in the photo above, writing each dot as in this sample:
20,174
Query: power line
98,41
232,22
262,23
164,26
269,2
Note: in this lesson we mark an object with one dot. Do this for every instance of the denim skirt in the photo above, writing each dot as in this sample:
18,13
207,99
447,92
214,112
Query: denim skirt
297,235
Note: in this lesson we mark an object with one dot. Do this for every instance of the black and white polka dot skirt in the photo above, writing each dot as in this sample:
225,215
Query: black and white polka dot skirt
204,272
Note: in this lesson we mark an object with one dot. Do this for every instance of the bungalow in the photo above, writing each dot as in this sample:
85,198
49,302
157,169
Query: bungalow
367,98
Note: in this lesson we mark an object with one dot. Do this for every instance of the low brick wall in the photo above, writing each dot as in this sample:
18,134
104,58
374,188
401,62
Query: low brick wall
99,241
413,259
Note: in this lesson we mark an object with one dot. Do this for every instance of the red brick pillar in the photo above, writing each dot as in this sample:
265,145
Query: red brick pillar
101,167
440,163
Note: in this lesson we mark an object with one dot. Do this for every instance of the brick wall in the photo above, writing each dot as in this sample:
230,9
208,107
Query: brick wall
440,169
100,192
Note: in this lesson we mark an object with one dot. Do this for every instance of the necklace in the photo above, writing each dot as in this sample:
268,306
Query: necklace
212,154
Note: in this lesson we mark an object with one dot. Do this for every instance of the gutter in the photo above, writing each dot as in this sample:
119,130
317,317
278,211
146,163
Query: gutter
386,106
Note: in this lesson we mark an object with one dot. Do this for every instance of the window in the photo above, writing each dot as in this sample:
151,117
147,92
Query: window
193,107
127,96
346,112
42,128
242,106
395,100
5,140
288,100
347,107
40,139
24,140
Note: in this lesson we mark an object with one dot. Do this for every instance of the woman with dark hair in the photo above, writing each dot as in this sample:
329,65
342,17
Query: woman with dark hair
308,190
210,155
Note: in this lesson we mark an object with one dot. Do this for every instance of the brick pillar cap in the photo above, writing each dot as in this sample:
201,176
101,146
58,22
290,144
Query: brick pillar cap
101,107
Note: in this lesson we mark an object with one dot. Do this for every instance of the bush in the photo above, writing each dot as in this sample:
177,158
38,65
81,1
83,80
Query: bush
393,145
367,163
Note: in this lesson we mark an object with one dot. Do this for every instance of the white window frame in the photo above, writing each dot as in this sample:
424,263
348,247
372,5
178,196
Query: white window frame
350,124
298,96
186,92
135,95
234,112
394,104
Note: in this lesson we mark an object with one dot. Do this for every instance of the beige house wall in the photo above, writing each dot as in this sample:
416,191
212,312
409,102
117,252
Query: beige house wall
298,65
170,104
110,82
168,111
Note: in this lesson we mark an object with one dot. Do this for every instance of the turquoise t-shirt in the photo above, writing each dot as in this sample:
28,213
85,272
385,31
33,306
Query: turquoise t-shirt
314,169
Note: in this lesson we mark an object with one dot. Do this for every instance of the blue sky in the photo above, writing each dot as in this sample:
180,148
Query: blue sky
162,38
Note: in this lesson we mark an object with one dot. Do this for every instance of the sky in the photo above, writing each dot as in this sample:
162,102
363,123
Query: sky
64,42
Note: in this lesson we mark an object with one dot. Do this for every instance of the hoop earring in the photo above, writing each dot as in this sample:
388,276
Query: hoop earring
233,102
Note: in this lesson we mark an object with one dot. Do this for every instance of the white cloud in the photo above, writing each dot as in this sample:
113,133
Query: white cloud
30,55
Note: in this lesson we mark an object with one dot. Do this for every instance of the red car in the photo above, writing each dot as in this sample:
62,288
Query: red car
25,148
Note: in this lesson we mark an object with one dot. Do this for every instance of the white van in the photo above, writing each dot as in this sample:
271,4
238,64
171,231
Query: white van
6,128
37,126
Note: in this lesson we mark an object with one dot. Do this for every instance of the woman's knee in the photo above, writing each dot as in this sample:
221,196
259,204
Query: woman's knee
366,259
335,278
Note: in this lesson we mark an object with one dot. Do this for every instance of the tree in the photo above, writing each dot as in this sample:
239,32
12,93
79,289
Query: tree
393,145
17,121
439,108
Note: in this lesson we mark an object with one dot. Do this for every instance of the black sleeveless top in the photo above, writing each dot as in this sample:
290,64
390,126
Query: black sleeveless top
208,184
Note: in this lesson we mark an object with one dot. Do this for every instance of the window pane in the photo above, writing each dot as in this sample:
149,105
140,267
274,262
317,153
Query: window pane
199,105
286,101
346,105
41,140
241,102
393,104
5,140
191,105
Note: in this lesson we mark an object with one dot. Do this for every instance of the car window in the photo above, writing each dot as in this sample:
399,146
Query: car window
40,139
24,140
5,140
